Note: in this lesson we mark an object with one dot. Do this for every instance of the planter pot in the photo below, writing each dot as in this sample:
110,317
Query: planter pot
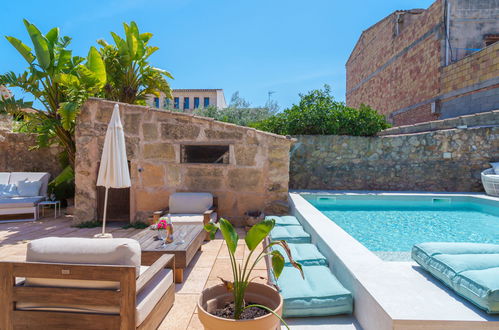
253,217
217,296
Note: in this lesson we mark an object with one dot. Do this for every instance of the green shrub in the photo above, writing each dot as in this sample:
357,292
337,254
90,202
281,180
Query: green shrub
318,113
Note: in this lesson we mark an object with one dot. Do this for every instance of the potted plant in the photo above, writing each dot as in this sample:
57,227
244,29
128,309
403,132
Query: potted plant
242,303
252,218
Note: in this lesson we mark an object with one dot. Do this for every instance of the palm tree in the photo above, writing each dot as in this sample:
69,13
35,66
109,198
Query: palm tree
130,77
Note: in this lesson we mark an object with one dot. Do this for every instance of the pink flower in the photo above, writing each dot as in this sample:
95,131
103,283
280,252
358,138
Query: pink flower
162,224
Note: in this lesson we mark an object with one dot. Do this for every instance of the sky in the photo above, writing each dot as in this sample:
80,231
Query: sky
252,46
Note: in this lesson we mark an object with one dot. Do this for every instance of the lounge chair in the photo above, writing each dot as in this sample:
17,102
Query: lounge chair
190,208
85,283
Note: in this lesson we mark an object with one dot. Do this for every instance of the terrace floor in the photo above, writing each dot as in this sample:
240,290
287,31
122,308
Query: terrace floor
204,270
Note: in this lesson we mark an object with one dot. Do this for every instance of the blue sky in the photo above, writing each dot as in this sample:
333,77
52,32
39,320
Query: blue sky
250,46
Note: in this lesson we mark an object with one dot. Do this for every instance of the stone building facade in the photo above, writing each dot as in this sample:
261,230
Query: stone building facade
253,175
404,64
441,160
186,100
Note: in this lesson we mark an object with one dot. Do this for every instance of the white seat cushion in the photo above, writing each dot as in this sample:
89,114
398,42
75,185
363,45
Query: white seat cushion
193,203
191,219
4,177
43,177
73,250
149,297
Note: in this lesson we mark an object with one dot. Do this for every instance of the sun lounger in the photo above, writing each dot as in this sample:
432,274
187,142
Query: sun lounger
285,220
290,234
305,254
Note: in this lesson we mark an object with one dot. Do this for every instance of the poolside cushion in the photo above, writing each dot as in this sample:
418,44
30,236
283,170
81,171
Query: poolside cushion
305,254
190,219
470,269
285,220
318,294
290,234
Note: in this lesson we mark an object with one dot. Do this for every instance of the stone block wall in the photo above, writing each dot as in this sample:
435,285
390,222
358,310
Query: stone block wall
444,160
256,177
16,156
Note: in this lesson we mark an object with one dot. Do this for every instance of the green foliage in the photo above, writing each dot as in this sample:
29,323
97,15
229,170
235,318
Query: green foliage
88,224
242,272
318,113
130,77
59,81
238,112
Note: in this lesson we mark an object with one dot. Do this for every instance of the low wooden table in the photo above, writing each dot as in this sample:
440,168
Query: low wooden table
187,240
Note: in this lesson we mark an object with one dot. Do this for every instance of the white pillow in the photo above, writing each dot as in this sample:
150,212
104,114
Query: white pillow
8,190
495,166
27,188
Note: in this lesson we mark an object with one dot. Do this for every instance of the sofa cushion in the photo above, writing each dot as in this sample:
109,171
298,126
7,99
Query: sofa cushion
150,295
309,296
27,188
290,234
4,177
284,220
305,254
73,250
190,219
495,166
19,202
43,177
193,203
470,269
8,190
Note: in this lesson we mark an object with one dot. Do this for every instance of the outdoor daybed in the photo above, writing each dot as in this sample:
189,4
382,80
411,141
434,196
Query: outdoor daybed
470,269
20,192
85,283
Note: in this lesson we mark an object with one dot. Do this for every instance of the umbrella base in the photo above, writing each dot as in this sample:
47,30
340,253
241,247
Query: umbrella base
105,235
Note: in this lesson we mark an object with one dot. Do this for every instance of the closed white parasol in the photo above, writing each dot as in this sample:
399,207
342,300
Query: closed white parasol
113,170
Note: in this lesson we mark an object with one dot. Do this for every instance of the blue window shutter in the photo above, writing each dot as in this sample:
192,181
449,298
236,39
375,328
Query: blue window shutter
206,102
196,102
176,102
156,102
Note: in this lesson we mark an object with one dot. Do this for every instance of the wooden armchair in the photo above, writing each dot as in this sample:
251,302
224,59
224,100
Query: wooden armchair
48,307
190,208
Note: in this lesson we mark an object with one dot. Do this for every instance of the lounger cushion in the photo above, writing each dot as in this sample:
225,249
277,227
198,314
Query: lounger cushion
290,234
43,177
305,254
73,250
27,188
193,203
470,269
318,294
8,190
4,177
19,202
285,220
190,219
149,297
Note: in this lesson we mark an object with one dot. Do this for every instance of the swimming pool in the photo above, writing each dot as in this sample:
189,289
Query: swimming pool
390,225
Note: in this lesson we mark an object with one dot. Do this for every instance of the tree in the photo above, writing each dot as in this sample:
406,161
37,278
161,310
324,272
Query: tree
59,81
237,101
130,76
318,113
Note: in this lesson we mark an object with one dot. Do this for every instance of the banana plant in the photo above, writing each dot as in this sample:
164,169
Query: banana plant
130,76
242,272
59,81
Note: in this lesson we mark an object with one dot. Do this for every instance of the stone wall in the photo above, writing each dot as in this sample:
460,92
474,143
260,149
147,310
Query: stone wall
444,160
255,178
16,156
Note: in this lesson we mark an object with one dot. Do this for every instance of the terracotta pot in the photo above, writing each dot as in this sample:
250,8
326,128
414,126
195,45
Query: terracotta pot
217,297
253,217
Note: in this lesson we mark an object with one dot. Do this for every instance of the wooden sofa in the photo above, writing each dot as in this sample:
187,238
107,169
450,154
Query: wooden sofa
25,305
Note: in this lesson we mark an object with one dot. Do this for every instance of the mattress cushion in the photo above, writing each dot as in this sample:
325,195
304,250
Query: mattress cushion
19,202
305,254
290,234
285,220
470,269
189,219
309,296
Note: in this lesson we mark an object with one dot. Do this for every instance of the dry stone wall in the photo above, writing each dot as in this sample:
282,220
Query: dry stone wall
256,177
16,156
444,160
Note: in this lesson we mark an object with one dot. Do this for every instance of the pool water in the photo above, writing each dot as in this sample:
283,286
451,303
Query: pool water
391,228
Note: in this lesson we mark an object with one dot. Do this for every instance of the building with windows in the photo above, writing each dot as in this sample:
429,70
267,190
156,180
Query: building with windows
425,64
189,99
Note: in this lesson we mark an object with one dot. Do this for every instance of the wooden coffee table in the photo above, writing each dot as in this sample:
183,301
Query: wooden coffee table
187,240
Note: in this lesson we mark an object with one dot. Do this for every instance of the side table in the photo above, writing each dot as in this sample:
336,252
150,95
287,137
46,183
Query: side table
57,206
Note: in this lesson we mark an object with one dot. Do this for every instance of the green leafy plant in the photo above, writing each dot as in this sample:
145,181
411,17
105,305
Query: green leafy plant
318,113
130,76
242,272
89,224
59,81
136,225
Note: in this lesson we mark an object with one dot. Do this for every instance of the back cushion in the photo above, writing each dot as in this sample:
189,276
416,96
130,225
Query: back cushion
28,188
193,203
73,250
4,177
43,177
8,190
